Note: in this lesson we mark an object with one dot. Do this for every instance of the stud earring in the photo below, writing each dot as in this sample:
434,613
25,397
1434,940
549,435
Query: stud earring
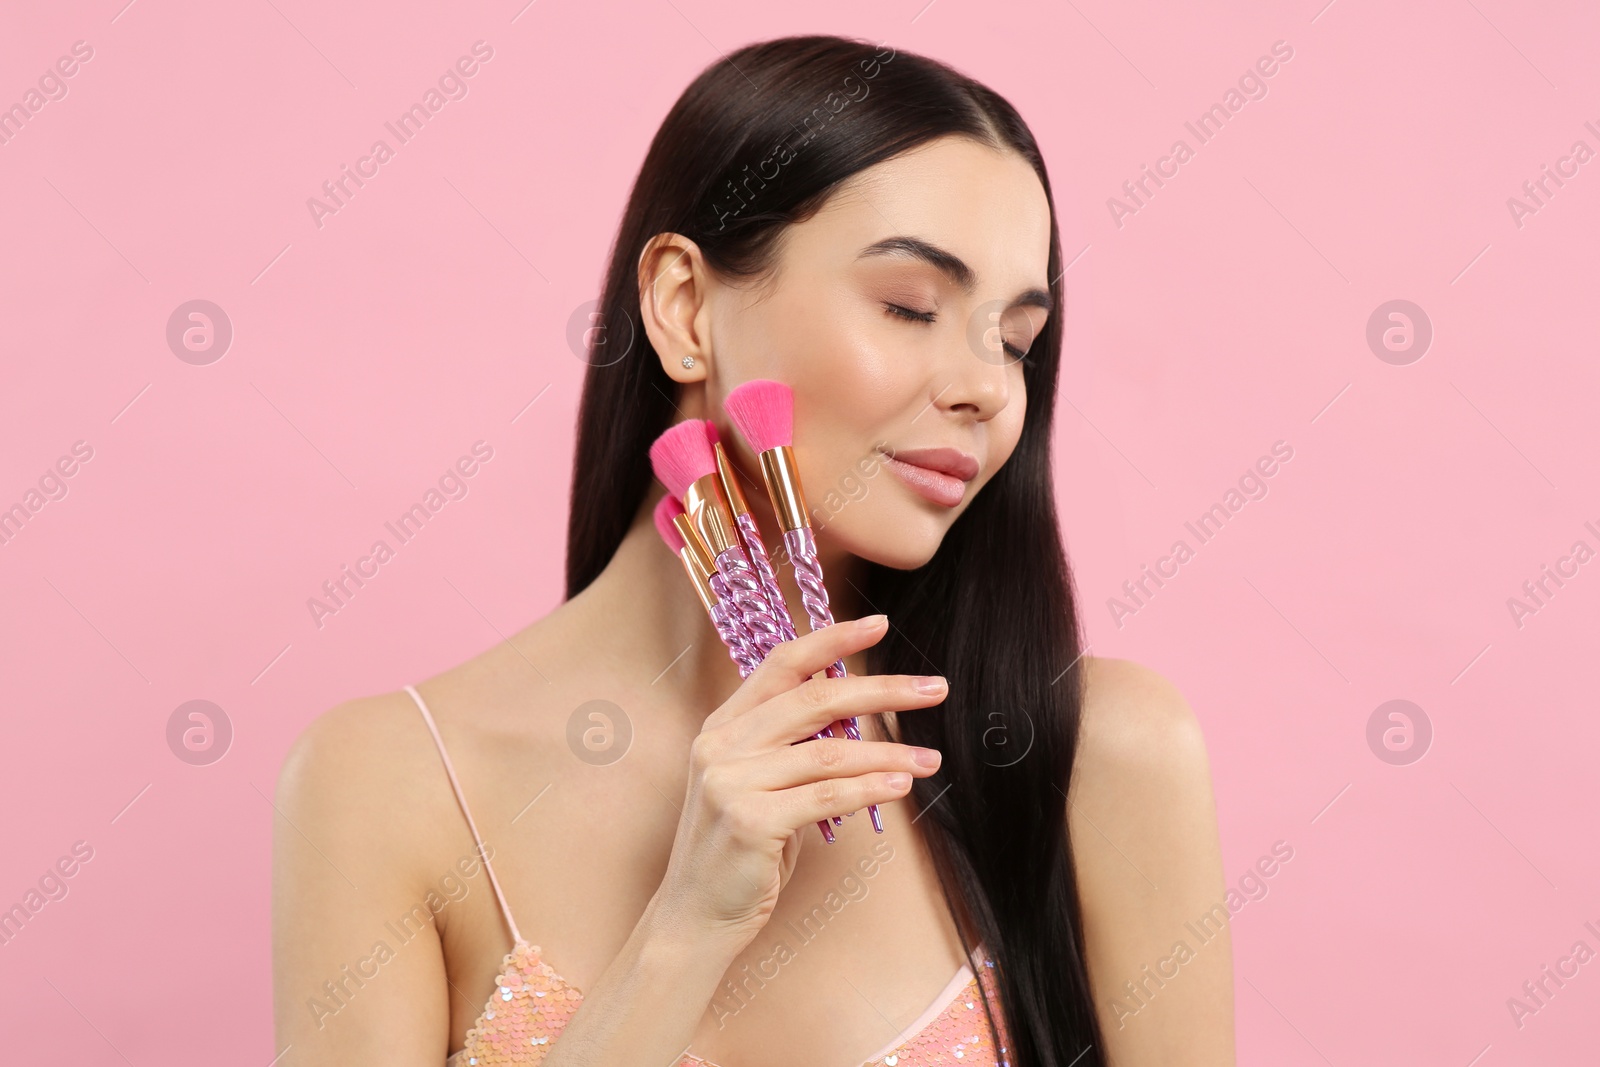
688,362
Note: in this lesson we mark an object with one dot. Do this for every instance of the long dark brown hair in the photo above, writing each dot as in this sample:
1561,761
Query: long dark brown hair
760,140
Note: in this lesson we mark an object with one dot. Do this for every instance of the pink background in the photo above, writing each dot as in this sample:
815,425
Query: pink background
1228,313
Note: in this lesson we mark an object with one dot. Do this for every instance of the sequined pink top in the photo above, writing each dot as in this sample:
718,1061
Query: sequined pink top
531,1003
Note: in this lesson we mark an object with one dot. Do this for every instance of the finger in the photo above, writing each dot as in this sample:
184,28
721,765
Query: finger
796,765
816,702
839,796
792,662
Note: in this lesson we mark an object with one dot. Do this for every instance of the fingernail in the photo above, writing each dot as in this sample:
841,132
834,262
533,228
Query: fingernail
925,757
928,683
871,622
899,780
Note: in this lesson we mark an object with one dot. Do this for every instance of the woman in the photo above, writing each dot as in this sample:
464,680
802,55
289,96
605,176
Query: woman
876,231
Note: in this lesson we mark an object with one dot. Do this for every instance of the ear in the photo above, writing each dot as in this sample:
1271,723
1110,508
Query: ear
672,302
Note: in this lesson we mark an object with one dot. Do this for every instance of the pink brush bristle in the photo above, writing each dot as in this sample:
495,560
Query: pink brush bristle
682,455
667,509
763,413
711,433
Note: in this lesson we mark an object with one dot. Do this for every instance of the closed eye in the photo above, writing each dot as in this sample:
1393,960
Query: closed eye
907,313
927,316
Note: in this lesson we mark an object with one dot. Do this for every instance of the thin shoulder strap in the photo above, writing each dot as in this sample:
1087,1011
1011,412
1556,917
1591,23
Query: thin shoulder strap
427,717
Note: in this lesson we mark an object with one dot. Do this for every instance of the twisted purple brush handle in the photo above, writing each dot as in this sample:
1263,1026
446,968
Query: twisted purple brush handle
765,575
755,611
736,637
802,547
762,565
808,575
745,608
723,617
745,589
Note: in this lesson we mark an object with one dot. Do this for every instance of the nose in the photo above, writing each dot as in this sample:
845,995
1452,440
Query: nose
976,376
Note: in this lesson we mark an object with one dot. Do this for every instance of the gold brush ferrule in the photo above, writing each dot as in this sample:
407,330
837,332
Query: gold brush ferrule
708,510
694,546
782,476
691,567
730,481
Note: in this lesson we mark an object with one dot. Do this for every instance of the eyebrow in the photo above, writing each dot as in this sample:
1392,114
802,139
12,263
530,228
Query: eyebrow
950,264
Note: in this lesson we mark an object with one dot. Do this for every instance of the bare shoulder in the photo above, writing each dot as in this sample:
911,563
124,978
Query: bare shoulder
362,777
1142,814
1143,826
378,748
367,777
1137,730
364,732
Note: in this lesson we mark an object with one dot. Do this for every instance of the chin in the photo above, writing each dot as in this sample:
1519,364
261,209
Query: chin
902,539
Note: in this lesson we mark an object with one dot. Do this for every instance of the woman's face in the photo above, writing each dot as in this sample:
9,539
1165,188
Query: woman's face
898,314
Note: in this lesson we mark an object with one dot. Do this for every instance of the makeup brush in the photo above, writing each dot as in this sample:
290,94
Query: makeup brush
760,562
763,413
737,638
673,525
683,461
750,534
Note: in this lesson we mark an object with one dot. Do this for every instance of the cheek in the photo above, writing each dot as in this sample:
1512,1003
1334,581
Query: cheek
848,386
838,411
850,369
1006,427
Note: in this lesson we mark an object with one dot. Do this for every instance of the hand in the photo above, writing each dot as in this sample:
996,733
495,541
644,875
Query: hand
752,790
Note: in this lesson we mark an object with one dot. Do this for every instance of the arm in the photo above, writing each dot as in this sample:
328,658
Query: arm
651,998
347,833
1143,826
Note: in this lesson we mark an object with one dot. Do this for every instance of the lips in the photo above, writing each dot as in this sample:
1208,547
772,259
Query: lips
937,474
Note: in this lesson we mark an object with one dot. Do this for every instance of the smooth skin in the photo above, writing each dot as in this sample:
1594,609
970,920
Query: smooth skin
693,860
